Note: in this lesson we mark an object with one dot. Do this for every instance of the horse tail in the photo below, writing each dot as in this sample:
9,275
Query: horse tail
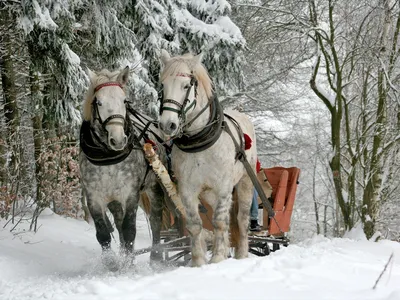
233,224
145,204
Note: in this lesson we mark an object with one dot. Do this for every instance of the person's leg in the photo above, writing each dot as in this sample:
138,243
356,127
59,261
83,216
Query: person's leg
254,213
254,207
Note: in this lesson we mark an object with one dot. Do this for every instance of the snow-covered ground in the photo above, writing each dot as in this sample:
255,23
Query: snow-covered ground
61,261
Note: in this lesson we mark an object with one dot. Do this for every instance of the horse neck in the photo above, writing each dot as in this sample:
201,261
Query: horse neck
202,120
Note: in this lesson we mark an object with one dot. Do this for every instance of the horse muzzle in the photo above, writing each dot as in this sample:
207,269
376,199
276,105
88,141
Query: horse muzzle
117,139
169,127
117,144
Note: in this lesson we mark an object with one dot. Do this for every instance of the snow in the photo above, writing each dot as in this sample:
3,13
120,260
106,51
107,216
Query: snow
221,29
42,17
356,233
230,27
211,7
61,261
345,196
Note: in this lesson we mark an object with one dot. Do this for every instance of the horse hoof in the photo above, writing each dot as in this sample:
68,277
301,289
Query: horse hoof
128,261
241,254
156,256
157,265
198,262
216,259
110,260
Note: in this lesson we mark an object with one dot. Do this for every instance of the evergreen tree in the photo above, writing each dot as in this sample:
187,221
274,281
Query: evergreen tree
61,38
196,26
49,28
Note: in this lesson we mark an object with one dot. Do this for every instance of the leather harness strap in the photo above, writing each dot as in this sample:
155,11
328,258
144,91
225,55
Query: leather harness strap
241,155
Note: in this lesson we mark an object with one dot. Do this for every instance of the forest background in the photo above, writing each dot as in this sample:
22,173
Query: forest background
319,78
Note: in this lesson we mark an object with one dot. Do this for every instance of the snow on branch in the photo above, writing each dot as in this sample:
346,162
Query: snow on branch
41,17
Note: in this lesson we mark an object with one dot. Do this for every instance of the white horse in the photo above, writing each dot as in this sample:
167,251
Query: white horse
204,156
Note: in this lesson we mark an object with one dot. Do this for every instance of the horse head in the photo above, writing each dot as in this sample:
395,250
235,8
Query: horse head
105,107
186,89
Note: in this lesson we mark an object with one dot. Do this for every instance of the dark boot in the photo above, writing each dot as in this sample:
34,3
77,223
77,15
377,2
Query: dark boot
254,226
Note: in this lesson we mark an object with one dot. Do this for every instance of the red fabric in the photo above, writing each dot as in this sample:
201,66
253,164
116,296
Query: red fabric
258,166
247,142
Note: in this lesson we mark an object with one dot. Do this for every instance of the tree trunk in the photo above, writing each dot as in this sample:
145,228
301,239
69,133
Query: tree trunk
315,197
325,220
3,160
10,95
37,127
371,197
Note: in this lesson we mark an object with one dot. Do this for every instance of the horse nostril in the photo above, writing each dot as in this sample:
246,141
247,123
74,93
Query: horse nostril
113,142
172,126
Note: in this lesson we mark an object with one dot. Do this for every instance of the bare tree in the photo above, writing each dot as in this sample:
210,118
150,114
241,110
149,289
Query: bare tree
354,74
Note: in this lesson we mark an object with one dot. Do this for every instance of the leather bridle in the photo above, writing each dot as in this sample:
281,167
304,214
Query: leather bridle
96,104
182,109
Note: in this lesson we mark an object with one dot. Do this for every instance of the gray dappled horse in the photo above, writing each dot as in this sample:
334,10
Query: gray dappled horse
113,168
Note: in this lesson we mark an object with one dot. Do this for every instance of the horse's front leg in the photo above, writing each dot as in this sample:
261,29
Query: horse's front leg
97,211
129,223
156,195
117,211
194,225
221,226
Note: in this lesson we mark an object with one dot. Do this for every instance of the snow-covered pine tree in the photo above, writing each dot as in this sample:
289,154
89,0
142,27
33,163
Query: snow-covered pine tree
49,29
109,34
63,37
196,26
206,27
106,34
105,39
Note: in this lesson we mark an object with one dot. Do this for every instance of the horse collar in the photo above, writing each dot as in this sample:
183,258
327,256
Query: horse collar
97,152
206,137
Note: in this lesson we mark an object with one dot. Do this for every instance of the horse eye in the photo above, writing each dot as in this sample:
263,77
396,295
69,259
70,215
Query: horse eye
186,86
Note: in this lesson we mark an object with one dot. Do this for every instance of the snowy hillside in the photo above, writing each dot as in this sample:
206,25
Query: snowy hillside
62,261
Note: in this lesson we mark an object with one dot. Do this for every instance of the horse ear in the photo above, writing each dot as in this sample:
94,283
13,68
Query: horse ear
165,57
198,58
123,76
92,75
